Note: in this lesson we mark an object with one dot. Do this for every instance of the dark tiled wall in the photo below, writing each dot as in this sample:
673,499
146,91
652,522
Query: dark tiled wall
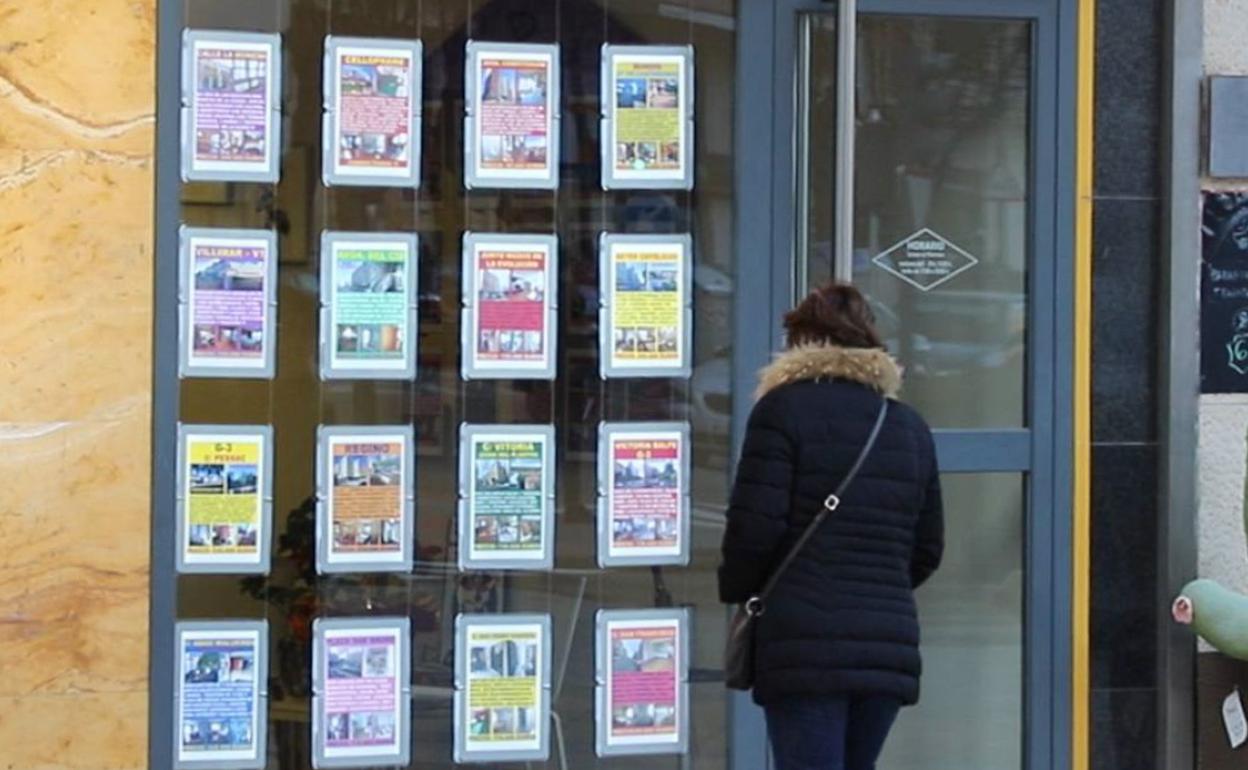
1125,269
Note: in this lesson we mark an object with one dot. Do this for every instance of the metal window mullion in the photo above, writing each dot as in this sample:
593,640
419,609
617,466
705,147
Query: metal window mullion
846,79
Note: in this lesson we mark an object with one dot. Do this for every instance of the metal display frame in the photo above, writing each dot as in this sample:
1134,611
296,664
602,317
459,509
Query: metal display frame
402,629
325,436
611,179
608,432
334,45
332,239
186,288
271,172
469,433
261,703
186,432
603,621
608,367
469,288
474,177
464,624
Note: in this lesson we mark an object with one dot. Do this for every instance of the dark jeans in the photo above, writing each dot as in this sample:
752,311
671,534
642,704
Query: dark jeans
830,733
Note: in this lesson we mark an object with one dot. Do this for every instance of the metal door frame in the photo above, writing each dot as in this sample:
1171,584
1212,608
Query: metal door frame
765,122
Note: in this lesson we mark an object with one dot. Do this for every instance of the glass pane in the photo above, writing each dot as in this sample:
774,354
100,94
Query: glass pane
970,714
296,401
941,186
816,151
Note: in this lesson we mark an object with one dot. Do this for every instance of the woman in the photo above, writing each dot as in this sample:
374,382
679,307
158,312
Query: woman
837,646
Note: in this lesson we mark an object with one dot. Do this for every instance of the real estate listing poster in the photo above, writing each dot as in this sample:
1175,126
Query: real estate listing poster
231,106
643,493
365,497
642,682
361,692
502,688
512,121
219,694
507,482
372,112
224,498
647,98
369,311
510,306
227,304
646,320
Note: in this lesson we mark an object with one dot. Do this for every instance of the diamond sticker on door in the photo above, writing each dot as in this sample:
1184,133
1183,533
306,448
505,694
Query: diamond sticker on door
925,260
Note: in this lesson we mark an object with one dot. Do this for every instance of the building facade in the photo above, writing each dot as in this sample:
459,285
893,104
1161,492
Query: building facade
496,333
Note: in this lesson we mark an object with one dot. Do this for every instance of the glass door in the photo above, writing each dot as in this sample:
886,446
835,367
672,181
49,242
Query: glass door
912,154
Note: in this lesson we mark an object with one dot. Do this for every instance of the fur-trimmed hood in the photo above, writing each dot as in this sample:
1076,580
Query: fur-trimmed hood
867,366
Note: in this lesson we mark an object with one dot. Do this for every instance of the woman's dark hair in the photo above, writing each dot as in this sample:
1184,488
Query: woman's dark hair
835,314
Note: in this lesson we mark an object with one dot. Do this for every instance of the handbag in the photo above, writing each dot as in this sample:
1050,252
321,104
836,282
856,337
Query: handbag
739,647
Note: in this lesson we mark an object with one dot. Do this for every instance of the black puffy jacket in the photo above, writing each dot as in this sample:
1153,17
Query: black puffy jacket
842,620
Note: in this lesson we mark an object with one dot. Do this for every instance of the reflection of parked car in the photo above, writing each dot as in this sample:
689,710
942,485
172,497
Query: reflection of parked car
962,332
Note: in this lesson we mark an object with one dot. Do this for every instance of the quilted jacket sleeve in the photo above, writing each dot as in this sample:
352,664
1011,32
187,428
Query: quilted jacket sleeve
929,537
759,507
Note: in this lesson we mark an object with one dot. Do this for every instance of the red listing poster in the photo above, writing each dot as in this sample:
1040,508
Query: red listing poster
514,113
643,682
512,308
645,495
374,111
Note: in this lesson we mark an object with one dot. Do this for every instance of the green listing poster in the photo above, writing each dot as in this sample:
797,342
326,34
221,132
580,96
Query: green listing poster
371,305
508,500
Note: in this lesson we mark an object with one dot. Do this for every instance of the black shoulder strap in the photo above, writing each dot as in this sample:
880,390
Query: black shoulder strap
829,505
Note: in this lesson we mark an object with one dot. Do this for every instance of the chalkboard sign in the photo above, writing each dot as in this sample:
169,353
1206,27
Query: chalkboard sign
1224,294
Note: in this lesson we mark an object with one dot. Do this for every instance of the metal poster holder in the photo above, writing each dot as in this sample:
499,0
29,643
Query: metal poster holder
261,704
363,562
261,566
468,436
266,368
192,39
608,433
475,178
470,369
464,624
612,178
401,628
604,621
414,49
608,366
329,292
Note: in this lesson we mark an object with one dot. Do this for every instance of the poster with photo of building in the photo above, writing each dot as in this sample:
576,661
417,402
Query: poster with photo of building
510,306
645,320
372,125
647,117
220,696
502,688
643,493
365,498
369,305
361,692
225,498
231,106
507,497
511,125
641,682
227,302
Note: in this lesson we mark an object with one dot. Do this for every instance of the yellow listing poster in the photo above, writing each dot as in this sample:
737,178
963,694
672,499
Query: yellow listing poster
223,500
647,306
503,701
648,130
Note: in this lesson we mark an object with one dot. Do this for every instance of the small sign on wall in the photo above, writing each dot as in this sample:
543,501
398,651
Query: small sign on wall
1224,294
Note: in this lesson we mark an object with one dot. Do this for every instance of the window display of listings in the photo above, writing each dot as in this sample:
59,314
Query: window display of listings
365,498
646,316
361,692
224,498
502,687
643,493
220,700
231,104
368,305
642,674
372,112
510,306
647,105
227,302
507,497
511,128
